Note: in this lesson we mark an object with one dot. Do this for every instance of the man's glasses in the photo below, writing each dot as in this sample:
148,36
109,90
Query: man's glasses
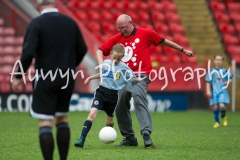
122,28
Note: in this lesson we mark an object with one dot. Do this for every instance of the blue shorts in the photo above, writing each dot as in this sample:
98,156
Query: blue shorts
219,98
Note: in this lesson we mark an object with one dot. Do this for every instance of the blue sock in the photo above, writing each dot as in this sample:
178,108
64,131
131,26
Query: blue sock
86,128
223,112
215,112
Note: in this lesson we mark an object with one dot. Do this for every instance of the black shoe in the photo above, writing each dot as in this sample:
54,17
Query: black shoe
128,142
80,142
147,140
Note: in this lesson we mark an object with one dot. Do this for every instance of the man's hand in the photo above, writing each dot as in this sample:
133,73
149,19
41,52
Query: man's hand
136,80
188,53
15,84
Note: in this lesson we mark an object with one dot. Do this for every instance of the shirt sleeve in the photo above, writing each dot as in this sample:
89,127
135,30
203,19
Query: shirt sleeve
154,38
30,44
107,46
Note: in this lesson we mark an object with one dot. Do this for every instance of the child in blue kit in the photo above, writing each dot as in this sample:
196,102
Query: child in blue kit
216,87
115,75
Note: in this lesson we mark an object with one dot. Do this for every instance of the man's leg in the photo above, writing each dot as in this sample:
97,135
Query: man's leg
124,118
46,138
139,93
63,136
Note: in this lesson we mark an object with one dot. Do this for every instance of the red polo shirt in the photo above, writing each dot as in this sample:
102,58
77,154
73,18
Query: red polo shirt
137,48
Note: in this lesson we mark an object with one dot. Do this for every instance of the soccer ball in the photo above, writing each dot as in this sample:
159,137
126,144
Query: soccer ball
107,135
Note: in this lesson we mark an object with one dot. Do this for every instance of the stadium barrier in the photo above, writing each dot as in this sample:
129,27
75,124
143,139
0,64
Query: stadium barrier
21,102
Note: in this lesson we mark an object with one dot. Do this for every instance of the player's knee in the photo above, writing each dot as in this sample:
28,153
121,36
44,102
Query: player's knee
222,106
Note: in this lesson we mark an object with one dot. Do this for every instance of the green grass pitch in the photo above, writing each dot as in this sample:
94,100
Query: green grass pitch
177,135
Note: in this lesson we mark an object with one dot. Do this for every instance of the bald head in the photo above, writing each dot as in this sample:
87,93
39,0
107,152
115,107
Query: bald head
124,18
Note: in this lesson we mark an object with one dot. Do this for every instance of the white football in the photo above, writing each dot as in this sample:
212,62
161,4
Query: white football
107,135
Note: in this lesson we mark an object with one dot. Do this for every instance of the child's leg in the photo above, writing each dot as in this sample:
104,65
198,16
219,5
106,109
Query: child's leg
222,109
86,127
223,114
109,121
215,112
88,123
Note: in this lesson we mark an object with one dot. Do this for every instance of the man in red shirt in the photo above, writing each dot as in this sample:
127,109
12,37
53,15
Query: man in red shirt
137,42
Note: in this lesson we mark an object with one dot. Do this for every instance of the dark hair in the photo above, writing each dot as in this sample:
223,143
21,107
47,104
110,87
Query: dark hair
118,48
220,55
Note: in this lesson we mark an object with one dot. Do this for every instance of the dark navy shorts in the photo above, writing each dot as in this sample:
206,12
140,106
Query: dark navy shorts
105,99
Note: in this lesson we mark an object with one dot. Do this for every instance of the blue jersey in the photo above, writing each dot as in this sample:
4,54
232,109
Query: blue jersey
217,77
116,76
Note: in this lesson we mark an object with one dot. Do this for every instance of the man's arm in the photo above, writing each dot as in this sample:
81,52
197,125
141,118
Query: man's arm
30,44
177,47
99,54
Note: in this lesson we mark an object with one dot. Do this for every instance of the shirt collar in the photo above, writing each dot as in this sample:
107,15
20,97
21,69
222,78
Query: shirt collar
48,10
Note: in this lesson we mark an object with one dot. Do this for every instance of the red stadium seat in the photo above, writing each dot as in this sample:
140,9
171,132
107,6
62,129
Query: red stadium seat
172,17
93,15
18,50
169,51
107,26
106,36
180,39
106,15
177,29
233,6
146,25
94,26
186,59
81,15
161,28
221,17
174,59
169,6
152,5
115,14
233,50
226,28
235,17
126,5
158,16
236,58
9,40
143,16
8,31
230,39
218,6
8,50
133,15
73,4
19,40
159,58
156,49
8,60
237,27
7,68
140,5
